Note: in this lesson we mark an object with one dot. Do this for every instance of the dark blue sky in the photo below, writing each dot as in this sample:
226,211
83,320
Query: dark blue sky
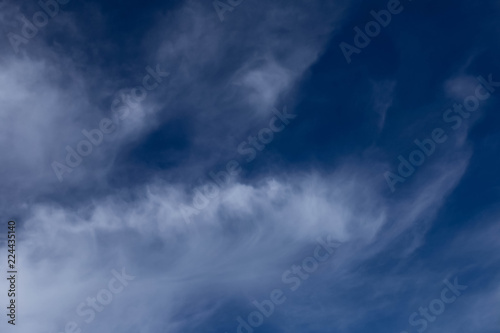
213,150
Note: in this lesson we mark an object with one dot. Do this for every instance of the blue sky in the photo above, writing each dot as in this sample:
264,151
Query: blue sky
188,165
